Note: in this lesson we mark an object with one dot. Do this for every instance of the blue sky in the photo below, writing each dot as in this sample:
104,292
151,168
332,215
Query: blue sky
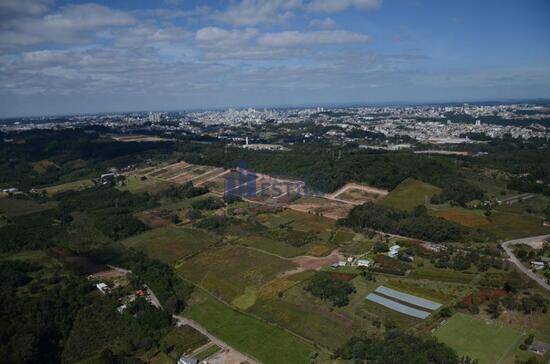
63,57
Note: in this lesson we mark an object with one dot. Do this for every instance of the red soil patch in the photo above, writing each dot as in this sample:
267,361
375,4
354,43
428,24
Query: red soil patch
484,295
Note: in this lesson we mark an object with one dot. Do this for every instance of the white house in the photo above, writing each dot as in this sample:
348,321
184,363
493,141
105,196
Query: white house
394,250
364,263
103,288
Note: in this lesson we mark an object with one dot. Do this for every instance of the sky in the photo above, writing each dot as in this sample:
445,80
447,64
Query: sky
67,57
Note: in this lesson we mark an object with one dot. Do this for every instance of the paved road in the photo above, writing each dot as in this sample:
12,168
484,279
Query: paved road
228,354
533,241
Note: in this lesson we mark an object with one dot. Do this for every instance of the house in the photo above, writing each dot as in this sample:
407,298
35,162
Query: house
539,347
342,263
121,308
537,265
103,288
334,265
364,263
394,250
107,178
188,360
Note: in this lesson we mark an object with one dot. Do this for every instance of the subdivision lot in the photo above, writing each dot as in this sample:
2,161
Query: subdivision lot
470,218
445,275
321,206
484,341
228,271
409,194
169,244
142,184
357,194
267,343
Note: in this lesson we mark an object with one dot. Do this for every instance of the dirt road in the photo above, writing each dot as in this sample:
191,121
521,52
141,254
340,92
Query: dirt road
534,241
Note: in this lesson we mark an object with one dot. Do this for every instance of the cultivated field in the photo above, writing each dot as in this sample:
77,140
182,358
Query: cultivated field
169,244
267,343
229,271
478,339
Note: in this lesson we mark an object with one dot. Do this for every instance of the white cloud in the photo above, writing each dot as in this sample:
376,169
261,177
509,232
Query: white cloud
333,6
212,35
325,24
256,12
295,38
11,8
71,24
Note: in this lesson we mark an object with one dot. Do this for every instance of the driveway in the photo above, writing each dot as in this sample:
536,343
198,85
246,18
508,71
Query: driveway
534,241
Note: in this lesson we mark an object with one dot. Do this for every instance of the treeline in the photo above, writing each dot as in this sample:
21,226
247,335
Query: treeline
327,287
396,347
415,224
111,209
458,192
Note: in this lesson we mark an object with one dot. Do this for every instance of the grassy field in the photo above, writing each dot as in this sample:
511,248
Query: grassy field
444,275
267,343
12,207
170,244
471,218
508,225
409,194
183,340
75,185
480,340
152,185
310,316
273,246
228,271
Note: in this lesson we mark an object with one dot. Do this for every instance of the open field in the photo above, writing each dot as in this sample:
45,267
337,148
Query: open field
444,275
273,246
470,218
13,207
75,185
169,244
267,343
480,340
228,271
409,194
138,184
506,225
183,340
321,206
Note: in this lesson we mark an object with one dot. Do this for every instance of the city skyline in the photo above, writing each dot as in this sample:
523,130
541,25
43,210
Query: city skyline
69,57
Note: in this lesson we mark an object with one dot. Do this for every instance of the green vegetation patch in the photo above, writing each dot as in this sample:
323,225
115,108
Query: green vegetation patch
208,352
445,275
12,207
409,194
75,186
507,225
228,270
169,244
267,343
182,340
478,339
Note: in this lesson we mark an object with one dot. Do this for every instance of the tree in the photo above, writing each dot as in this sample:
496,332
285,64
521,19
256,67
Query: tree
494,308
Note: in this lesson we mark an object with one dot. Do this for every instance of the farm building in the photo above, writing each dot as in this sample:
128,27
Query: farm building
188,360
364,263
539,347
103,288
394,251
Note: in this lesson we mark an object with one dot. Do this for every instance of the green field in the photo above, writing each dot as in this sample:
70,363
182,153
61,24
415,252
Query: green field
486,342
267,343
508,225
444,275
409,194
13,207
183,340
152,185
169,244
312,317
229,270
208,352
75,185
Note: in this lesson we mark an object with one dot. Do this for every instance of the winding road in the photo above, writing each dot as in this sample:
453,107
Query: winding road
534,241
